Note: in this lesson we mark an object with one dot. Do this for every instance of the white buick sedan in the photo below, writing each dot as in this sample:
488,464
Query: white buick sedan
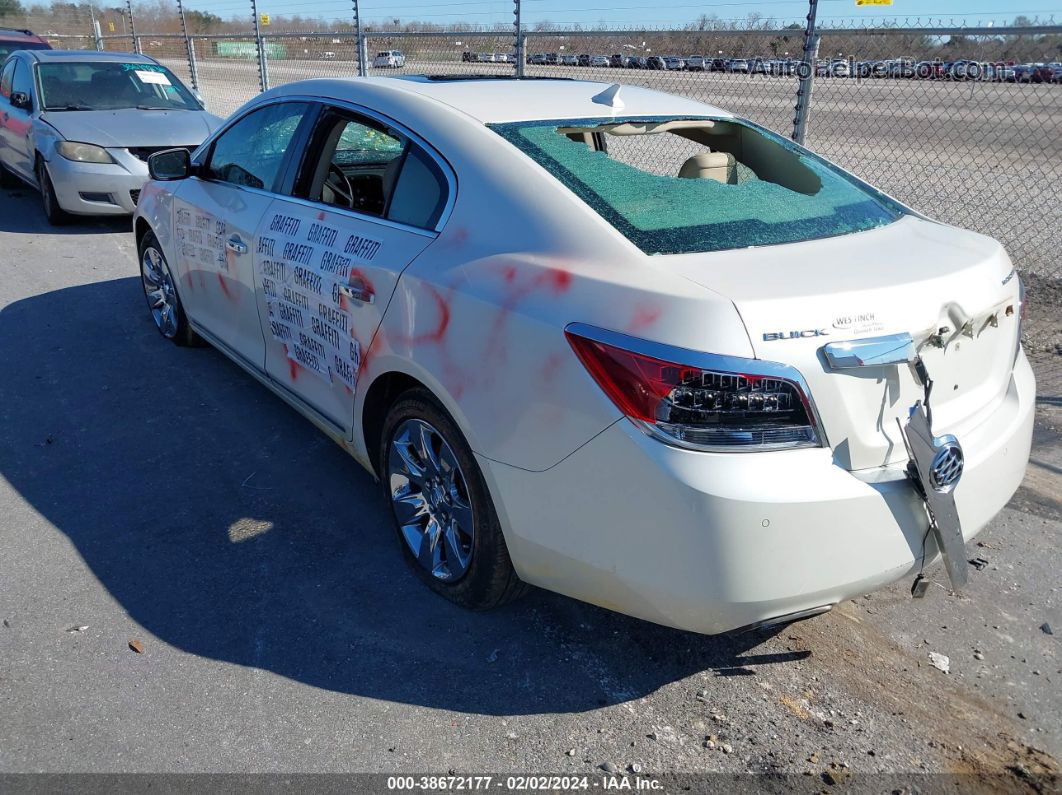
611,342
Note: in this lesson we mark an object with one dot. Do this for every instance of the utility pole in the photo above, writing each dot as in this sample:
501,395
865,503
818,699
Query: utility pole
96,34
263,68
518,39
359,50
132,27
807,75
193,73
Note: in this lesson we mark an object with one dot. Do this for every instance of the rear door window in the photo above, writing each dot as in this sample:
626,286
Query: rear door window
682,185
359,164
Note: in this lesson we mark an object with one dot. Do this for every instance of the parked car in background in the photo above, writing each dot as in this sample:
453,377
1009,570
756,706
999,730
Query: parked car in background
389,59
964,69
929,70
712,410
551,58
584,59
12,39
569,60
615,61
1047,73
781,67
1023,72
738,65
19,38
485,57
80,125
655,62
539,59
900,67
635,62
674,63
696,63
1003,73
599,61
839,68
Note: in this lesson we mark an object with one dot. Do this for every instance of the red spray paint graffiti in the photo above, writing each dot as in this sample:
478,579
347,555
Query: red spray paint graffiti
644,317
225,288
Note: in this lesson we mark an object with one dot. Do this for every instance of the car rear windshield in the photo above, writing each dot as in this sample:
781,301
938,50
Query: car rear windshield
8,47
680,185
107,85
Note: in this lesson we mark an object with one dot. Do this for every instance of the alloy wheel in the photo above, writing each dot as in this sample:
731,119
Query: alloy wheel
429,496
158,287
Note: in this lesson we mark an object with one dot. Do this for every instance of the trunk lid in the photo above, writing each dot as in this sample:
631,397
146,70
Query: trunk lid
914,276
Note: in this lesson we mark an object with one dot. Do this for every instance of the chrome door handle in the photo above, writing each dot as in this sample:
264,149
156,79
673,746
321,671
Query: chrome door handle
237,245
362,294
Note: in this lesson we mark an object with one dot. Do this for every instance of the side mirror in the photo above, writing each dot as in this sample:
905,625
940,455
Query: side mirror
20,99
170,164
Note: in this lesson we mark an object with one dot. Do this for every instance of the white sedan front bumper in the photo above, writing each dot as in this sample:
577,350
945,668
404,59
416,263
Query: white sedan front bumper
711,542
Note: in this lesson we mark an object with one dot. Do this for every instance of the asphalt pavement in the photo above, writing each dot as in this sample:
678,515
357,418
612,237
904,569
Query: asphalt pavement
193,579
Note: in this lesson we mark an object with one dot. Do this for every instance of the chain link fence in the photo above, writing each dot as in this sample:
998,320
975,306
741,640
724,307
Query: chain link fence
726,68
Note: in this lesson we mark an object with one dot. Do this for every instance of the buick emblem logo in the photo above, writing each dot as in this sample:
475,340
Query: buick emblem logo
947,465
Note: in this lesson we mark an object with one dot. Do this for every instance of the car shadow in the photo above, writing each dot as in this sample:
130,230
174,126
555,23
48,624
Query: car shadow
228,527
24,214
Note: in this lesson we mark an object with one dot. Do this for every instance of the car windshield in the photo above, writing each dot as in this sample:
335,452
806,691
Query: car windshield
105,85
8,47
681,185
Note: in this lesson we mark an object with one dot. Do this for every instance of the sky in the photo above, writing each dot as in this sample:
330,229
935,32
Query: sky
626,13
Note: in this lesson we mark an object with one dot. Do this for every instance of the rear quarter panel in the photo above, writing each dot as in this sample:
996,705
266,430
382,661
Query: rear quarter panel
479,317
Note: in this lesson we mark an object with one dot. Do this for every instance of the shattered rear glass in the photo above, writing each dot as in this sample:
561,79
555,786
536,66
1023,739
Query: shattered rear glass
663,213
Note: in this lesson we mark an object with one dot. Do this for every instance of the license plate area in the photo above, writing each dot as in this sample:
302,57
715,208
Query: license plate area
935,467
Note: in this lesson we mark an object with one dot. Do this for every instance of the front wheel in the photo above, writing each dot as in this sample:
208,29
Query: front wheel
161,294
55,214
444,517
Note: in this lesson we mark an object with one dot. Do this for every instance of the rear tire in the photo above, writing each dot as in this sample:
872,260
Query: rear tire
55,214
464,558
160,291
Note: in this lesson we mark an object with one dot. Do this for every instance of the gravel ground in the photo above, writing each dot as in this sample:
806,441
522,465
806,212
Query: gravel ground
158,498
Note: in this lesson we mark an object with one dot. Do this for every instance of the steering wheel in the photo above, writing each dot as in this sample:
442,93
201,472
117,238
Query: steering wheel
340,185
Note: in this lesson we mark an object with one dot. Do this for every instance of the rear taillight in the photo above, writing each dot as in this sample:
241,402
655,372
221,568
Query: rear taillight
698,400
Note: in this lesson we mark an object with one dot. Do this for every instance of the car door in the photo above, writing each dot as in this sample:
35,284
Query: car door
19,123
369,199
216,215
6,76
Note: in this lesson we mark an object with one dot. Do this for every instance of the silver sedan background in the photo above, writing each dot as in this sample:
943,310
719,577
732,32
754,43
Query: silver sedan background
79,126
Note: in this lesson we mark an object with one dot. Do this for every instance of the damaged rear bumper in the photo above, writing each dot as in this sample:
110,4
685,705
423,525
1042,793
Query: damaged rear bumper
710,542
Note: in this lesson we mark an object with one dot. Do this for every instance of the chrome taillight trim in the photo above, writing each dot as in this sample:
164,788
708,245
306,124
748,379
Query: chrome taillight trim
709,361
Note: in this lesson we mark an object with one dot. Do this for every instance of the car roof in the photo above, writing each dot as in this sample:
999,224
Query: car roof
68,56
509,99
18,34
